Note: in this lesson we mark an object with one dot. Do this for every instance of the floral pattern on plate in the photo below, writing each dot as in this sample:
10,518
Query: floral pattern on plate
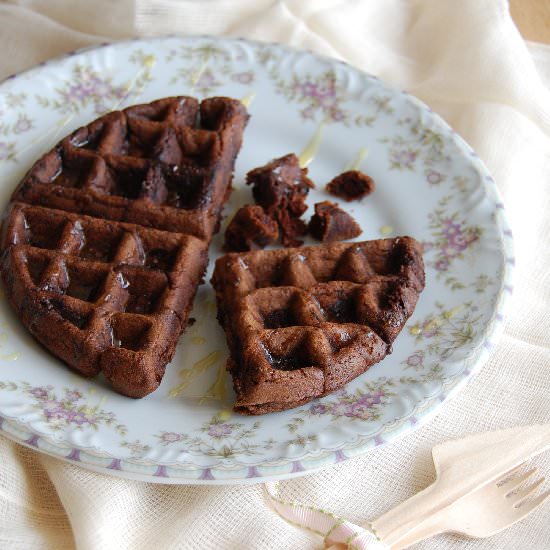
69,407
453,238
206,68
426,175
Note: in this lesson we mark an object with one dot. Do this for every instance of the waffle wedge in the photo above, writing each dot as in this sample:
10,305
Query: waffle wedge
302,322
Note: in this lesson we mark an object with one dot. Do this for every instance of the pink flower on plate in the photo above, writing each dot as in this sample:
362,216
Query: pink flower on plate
429,328
442,265
41,392
337,115
358,410
372,399
100,88
434,178
246,77
326,91
416,359
375,398
368,401
318,409
170,437
54,410
459,242
339,409
78,92
22,125
206,81
308,89
218,431
403,158
79,418
450,226
73,395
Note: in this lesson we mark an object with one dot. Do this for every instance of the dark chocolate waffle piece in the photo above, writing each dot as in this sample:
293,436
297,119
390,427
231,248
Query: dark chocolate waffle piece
303,322
251,228
166,165
105,241
331,223
281,188
351,185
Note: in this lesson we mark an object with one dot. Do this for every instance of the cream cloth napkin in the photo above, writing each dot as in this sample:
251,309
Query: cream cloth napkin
467,61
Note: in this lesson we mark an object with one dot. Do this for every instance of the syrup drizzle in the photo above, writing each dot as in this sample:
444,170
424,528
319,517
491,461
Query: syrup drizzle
310,150
217,390
198,368
248,99
360,157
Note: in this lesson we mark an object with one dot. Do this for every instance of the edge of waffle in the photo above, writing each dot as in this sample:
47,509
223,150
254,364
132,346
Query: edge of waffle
181,152
306,321
104,297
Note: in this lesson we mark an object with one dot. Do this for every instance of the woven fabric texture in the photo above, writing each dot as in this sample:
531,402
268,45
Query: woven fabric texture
468,62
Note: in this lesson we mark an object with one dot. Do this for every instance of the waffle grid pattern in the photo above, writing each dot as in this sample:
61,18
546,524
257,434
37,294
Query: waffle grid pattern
125,290
165,165
105,241
306,321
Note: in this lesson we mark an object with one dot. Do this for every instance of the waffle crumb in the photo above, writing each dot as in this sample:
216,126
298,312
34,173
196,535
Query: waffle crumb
331,223
251,228
281,188
351,185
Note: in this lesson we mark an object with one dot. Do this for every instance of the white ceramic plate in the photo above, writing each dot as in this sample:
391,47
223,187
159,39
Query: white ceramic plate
431,185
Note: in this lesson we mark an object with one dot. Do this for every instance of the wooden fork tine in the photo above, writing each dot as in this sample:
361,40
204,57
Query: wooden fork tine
511,483
520,496
505,477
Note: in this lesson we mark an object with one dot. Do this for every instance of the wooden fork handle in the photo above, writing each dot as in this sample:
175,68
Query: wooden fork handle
408,517
428,528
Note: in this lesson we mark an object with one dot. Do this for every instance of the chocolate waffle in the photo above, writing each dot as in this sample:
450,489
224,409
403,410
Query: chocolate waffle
302,322
105,241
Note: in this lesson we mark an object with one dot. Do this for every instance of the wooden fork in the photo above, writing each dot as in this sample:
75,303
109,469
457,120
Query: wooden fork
475,492
482,513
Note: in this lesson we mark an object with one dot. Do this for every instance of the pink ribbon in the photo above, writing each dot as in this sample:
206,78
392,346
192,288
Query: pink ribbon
337,532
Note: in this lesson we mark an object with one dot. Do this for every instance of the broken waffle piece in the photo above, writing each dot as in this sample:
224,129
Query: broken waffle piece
331,223
106,238
251,228
281,188
351,185
303,322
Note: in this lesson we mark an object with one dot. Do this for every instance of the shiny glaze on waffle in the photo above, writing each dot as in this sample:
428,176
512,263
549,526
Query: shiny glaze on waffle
301,323
165,165
105,241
